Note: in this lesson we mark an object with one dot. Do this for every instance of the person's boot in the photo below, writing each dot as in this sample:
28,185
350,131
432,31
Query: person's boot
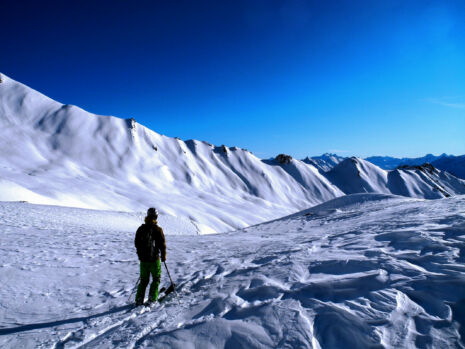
139,301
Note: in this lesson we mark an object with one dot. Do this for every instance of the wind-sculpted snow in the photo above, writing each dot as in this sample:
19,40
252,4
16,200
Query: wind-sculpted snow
361,271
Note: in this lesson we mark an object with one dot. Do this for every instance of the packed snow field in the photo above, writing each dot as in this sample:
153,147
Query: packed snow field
366,270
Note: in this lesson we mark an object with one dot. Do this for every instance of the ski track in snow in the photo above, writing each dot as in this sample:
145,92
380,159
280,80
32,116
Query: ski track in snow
372,271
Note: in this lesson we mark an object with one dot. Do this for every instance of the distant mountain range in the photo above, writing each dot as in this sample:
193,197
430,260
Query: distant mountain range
390,163
450,163
62,155
324,162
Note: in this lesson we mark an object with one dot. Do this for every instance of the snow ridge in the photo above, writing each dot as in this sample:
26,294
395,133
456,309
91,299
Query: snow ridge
324,162
62,155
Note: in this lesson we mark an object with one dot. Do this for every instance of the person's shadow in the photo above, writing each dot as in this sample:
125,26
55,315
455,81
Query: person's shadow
23,328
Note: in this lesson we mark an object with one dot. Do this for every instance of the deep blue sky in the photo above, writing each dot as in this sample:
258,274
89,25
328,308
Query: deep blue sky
300,77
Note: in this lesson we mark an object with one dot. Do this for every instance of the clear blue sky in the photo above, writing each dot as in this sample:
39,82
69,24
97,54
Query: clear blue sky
298,77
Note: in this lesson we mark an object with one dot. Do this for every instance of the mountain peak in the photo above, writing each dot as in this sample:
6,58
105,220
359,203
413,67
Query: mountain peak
426,167
350,161
324,162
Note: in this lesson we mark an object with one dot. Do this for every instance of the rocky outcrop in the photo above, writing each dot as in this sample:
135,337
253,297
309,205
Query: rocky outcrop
283,159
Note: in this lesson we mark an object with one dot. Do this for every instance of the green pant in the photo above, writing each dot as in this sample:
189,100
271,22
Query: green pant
147,268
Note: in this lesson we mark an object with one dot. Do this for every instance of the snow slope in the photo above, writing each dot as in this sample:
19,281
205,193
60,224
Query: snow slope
385,162
324,162
452,164
455,165
391,163
359,271
59,154
354,175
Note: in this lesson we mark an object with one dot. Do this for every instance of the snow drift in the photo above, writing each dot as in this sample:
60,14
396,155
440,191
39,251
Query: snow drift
359,271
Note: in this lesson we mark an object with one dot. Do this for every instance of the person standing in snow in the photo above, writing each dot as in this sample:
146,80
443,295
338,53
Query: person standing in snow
150,243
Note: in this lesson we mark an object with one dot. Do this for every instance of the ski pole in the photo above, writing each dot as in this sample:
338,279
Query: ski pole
132,292
171,280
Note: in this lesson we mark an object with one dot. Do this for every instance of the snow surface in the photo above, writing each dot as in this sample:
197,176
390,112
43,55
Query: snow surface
452,164
354,175
58,154
365,270
324,162
62,155
390,163
455,165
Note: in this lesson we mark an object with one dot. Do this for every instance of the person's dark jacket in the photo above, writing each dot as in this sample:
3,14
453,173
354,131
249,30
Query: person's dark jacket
150,241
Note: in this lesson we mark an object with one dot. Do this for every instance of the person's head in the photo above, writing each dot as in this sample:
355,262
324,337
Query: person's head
152,212
152,215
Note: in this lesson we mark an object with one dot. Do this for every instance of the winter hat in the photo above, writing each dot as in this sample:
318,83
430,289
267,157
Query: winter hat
152,212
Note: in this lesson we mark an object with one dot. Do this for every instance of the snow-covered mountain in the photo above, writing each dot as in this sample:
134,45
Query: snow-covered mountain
390,163
355,175
385,162
455,165
324,162
60,154
452,164
363,270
